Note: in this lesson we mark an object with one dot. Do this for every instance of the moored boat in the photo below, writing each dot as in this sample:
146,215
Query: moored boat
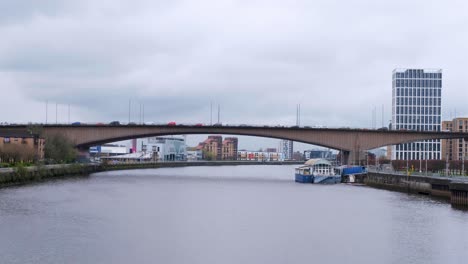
317,171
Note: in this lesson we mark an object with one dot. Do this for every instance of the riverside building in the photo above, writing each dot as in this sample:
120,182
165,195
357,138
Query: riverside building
416,105
215,148
28,146
455,149
286,147
163,148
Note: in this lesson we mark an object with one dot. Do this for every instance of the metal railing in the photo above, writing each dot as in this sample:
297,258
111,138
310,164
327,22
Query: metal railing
417,173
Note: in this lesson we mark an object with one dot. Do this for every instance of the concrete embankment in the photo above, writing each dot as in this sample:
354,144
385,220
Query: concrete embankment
453,189
23,175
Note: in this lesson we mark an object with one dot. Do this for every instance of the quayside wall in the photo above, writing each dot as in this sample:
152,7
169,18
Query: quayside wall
453,189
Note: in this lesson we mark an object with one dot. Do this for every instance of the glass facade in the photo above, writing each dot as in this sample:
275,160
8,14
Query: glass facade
286,147
416,105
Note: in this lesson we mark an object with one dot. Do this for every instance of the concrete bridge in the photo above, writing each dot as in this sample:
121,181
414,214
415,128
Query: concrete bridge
352,142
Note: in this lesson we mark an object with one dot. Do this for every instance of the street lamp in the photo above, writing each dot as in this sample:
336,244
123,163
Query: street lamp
425,157
420,162
367,159
463,156
407,167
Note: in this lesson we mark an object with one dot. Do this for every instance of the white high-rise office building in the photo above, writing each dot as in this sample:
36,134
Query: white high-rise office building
416,105
286,147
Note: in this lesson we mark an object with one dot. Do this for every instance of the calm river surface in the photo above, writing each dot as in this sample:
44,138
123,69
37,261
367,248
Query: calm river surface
231,214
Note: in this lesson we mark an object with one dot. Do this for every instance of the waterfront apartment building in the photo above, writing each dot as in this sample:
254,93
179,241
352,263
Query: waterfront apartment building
229,151
25,146
286,147
416,105
211,147
215,148
455,149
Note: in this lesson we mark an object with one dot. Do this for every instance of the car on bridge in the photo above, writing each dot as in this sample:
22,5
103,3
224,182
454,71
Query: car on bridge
114,123
199,124
172,123
76,124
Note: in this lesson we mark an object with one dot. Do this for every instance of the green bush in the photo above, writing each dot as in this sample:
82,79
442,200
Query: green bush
21,172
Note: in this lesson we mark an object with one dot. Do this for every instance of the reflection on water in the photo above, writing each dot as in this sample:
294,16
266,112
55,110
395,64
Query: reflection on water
233,214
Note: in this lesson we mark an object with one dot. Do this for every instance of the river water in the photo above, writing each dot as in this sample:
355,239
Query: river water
231,214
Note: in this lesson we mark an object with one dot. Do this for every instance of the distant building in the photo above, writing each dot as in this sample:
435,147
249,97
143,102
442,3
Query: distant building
317,154
271,150
259,156
379,153
229,149
286,147
108,150
416,105
298,156
211,147
130,157
455,149
215,148
31,146
193,155
163,148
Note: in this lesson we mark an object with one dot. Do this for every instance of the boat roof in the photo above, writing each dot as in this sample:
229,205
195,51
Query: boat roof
313,162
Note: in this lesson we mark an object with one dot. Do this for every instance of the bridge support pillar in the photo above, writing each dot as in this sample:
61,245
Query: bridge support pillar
345,158
83,153
353,158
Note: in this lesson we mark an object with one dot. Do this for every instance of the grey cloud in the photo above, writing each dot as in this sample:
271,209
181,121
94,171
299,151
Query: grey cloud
258,59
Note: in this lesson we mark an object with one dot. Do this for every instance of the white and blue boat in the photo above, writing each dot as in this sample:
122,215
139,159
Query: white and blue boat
317,171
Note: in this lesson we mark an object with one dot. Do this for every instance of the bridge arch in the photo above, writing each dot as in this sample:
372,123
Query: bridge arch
351,141
129,137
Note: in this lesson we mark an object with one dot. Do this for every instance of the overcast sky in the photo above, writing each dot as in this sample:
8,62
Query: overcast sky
257,59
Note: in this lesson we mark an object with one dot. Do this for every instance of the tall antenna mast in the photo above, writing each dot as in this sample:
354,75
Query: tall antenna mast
68,113
297,114
219,110
129,109
383,115
46,108
211,113
375,116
